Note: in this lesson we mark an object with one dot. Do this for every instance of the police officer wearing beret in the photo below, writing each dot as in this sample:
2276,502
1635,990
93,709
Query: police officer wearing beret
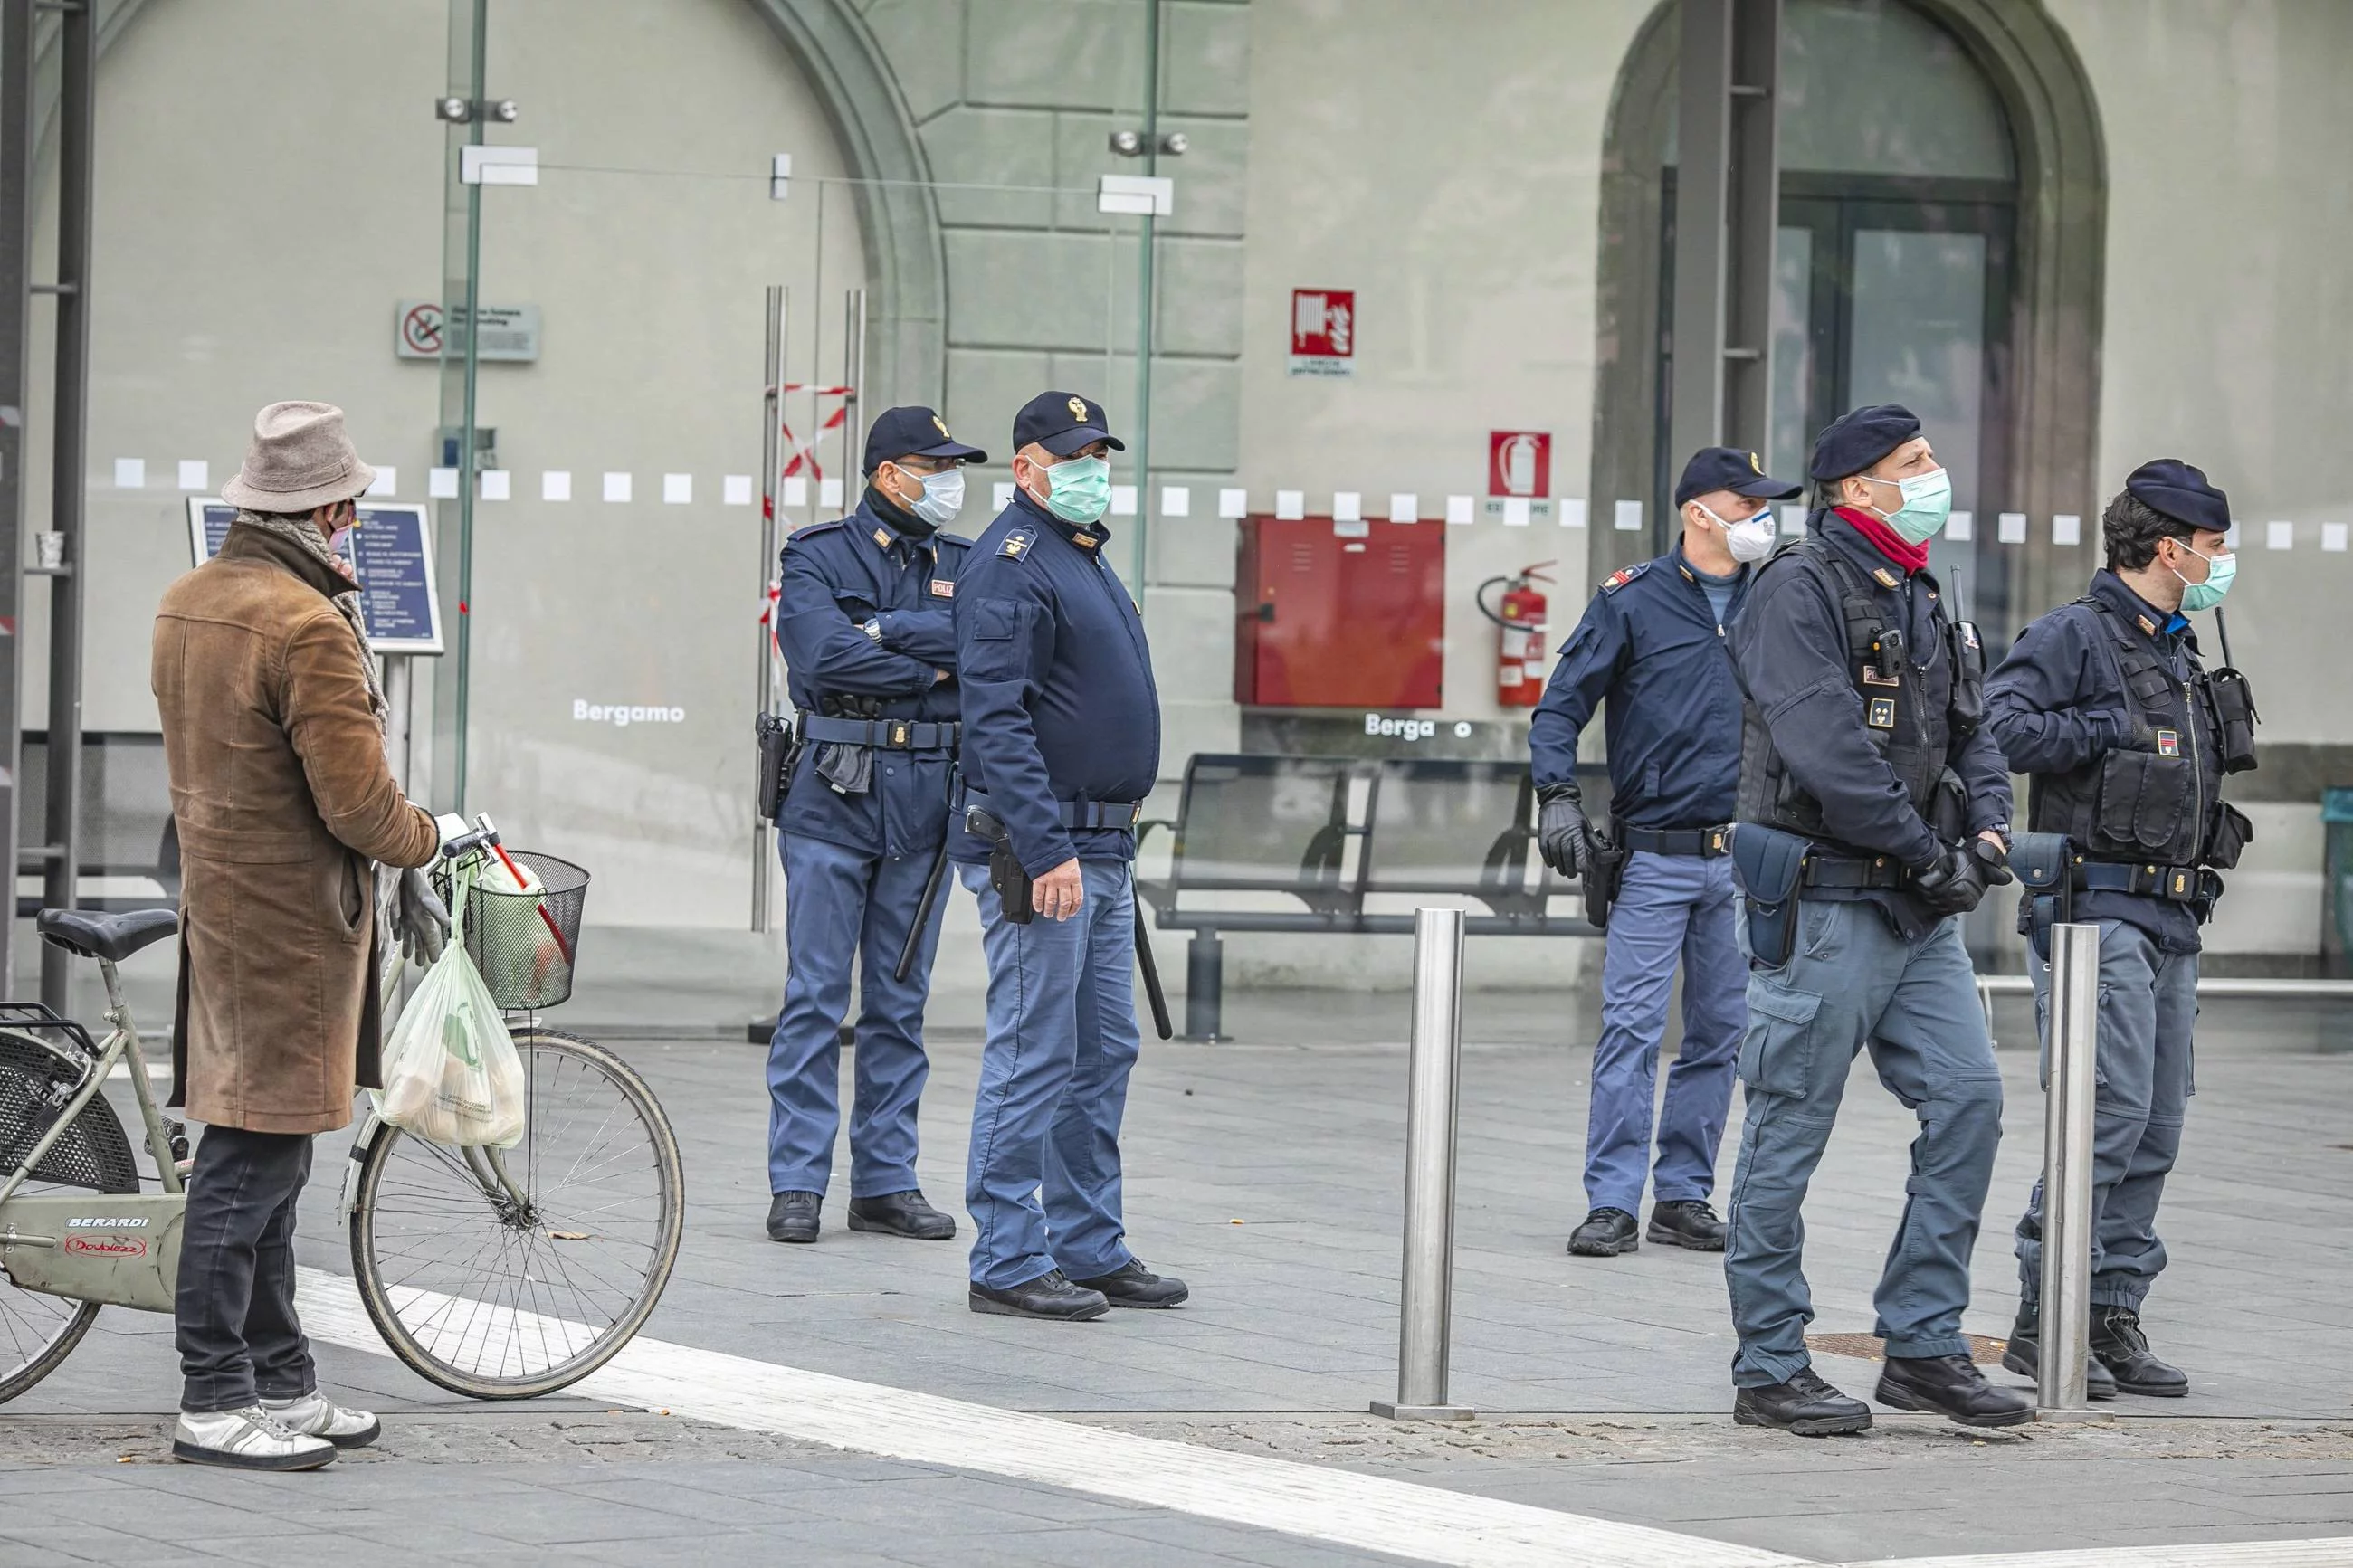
1652,644
1874,808
1062,725
865,618
2125,737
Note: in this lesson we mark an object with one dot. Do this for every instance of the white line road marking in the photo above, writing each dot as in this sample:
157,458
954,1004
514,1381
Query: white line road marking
1366,1512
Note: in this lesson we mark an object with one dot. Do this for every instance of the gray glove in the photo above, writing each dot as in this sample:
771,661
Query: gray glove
419,919
1560,835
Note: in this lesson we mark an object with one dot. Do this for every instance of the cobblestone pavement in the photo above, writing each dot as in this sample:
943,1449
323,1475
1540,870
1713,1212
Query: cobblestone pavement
1267,1172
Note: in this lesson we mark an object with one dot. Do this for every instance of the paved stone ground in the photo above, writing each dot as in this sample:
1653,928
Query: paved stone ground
1266,1172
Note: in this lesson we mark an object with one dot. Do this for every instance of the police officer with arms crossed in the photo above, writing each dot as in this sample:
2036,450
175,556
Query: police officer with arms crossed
2126,737
1652,642
1873,809
865,616
1062,726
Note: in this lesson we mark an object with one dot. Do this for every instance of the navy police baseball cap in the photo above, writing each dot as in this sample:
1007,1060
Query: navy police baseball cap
1854,441
1062,422
913,433
2173,488
1731,468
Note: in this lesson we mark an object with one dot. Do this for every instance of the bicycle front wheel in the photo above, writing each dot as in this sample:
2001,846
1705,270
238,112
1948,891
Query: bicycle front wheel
504,1274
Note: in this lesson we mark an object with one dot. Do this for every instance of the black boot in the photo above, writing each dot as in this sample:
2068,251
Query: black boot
1950,1385
1051,1295
1606,1233
2118,1344
792,1216
1133,1285
1805,1405
2023,1355
901,1214
1685,1223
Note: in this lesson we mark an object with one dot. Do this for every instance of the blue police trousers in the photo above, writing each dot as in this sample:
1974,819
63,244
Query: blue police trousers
1669,907
841,904
1854,983
2144,1066
1042,1181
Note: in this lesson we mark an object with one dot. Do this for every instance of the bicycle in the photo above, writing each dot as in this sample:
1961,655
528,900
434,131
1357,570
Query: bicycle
499,1274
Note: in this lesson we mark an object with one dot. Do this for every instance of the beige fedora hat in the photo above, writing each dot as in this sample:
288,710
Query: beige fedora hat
299,459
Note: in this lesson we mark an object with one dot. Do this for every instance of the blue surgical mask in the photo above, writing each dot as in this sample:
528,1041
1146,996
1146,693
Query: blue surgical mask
2221,570
1927,502
1079,490
943,497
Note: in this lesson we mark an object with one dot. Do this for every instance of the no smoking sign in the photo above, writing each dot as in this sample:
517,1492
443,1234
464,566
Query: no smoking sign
423,329
420,331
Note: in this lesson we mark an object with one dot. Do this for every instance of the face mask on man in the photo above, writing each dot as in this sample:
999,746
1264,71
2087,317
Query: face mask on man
2221,570
943,496
1927,502
1749,539
1079,490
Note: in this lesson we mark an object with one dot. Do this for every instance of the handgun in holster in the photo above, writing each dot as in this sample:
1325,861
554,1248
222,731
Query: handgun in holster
1005,872
779,752
2046,866
1605,873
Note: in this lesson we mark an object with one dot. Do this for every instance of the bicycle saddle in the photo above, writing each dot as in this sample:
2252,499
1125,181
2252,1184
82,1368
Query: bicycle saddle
114,938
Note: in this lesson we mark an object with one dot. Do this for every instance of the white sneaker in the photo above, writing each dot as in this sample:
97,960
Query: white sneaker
248,1439
312,1417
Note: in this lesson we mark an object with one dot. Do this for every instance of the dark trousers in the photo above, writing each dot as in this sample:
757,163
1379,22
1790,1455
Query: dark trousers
238,1336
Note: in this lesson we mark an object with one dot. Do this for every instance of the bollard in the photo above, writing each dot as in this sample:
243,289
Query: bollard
2066,1305
1426,1287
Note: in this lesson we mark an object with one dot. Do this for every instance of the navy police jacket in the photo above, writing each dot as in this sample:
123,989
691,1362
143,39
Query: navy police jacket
833,578
1058,702
2058,702
1651,645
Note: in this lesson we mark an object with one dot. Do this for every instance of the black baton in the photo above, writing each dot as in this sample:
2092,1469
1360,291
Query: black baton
1157,997
923,909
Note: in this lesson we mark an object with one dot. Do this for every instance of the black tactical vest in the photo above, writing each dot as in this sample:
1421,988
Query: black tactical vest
1919,704
2156,798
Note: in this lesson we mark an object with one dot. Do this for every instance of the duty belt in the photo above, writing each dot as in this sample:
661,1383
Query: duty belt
1079,813
1707,843
1879,872
890,734
2181,884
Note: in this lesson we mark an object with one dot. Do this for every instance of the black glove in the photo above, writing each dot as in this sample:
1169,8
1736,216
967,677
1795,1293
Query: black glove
1955,881
1560,834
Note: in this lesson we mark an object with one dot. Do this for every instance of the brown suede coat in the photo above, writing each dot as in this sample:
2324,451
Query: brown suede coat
283,801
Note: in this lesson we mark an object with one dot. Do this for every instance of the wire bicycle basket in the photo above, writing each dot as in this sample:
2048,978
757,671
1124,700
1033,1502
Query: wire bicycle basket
525,944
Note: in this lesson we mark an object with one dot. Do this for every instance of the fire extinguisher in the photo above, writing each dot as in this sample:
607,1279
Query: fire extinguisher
1520,613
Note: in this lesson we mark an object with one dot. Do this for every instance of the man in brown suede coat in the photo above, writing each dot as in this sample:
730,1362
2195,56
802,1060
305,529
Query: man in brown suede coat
273,732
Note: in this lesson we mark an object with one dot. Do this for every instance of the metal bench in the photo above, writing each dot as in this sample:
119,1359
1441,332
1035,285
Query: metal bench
1349,844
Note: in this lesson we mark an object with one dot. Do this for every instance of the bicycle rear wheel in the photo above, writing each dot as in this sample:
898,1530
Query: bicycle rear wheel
508,1289
39,1331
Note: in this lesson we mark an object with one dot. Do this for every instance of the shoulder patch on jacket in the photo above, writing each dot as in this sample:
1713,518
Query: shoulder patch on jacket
814,529
1018,542
1625,574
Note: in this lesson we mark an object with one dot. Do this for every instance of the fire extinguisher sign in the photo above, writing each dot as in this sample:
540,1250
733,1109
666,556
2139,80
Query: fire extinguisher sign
1323,331
1519,462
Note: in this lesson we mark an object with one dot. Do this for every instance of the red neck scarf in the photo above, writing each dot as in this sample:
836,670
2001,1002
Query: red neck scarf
1886,541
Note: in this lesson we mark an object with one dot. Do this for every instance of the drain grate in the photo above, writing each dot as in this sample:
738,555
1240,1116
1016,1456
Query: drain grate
1867,1347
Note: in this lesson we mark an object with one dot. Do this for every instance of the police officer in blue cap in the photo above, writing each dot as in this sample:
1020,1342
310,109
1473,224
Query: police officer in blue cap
1651,643
865,618
1061,724
1875,809
2126,737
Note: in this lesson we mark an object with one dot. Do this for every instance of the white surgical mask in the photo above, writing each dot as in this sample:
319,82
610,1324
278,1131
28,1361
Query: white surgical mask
1749,539
943,497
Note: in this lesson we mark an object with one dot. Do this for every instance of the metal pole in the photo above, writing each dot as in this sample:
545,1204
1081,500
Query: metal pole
772,413
1425,1293
466,454
76,127
1205,987
1145,249
853,410
2066,1306
15,302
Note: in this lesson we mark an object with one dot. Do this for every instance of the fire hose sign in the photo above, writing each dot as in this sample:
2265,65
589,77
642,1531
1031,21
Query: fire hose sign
1323,331
421,330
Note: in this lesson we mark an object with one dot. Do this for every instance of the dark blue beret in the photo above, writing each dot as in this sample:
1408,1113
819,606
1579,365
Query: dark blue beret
1852,442
1735,470
2173,488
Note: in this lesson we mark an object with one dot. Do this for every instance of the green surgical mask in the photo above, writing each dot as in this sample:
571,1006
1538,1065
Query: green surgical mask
1927,502
2221,570
1079,490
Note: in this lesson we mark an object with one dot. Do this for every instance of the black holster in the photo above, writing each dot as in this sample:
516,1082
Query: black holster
1770,865
1605,872
2046,866
1005,870
2234,704
777,752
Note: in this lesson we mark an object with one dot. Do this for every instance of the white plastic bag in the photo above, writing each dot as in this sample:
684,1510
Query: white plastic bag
520,951
451,1074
